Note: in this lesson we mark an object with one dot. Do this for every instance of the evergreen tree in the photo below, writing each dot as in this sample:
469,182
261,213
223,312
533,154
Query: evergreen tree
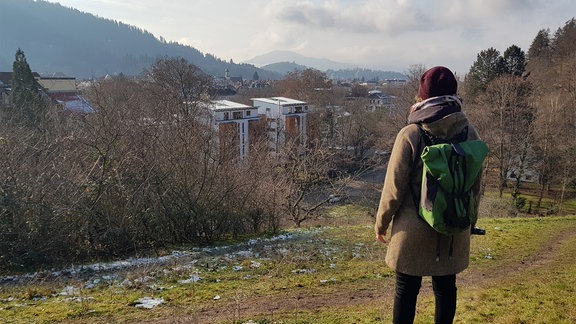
540,59
540,48
28,108
488,66
564,40
514,60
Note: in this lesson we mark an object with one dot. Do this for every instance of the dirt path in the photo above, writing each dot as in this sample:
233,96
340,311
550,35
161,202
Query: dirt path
546,255
269,306
363,293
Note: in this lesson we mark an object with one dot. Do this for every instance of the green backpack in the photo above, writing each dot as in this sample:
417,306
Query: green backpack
451,169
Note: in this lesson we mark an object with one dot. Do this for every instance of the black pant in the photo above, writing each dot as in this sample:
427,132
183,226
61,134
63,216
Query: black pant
407,289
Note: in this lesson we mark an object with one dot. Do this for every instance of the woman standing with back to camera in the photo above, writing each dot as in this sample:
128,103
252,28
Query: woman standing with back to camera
415,249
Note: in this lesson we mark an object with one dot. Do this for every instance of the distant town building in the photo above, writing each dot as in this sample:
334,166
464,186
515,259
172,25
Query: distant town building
61,89
5,80
236,124
269,120
285,119
377,100
397,82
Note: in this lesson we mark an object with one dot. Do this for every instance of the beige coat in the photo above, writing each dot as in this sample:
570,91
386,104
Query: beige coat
414,245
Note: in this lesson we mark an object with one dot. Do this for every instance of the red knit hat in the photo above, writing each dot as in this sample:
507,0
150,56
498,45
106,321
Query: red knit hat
438,81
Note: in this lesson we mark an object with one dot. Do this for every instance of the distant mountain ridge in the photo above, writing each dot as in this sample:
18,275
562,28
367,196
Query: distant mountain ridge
288,56
284,67
61,39
58,39
286,61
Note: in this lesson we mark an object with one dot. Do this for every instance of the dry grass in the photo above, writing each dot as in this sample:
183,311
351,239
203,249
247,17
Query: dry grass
522,271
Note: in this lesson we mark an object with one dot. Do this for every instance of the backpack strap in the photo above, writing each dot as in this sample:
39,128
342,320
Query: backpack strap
424,138
430,139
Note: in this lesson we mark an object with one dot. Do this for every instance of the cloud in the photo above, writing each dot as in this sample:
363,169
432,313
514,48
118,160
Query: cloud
393,17
308,14
502,8
385,33
389,17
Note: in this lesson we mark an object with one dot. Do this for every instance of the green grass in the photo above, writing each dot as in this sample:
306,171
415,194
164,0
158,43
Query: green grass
492,204
545,294
327,262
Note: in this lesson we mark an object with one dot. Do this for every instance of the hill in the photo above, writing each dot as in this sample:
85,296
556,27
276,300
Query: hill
364,74
286,61
288,56
284,67
60,39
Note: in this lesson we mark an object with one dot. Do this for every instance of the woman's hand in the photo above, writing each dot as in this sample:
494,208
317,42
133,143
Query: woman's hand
380,238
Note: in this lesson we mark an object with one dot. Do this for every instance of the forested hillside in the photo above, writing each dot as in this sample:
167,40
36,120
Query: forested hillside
524,104
60,39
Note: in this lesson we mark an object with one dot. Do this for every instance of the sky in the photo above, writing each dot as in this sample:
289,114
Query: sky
376,34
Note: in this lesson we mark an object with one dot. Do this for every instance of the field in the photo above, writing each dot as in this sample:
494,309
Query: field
522,271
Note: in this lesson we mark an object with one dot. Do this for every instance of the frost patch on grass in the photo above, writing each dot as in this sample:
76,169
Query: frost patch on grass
329,251
144,279
42,298
193,278
83,270
304,271
69,291
78,299
243,254
182,266
283,251
148,302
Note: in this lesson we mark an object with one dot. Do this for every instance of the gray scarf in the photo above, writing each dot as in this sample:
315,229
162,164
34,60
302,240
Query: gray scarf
433,109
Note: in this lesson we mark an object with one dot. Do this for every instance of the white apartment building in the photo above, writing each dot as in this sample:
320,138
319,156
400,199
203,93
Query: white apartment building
284,118
234,122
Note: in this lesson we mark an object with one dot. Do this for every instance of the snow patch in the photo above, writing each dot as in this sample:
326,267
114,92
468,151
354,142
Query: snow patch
148,302
304,271
193,278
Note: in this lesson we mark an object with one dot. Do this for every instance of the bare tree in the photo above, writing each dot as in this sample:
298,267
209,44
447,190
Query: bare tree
506,99
357,129
309,85
301,176
552,66
179,85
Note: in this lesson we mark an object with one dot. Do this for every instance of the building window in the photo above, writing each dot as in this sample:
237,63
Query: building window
237,115
226,115
248,113
298,109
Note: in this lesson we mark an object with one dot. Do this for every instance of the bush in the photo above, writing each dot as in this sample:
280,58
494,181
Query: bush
114,183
